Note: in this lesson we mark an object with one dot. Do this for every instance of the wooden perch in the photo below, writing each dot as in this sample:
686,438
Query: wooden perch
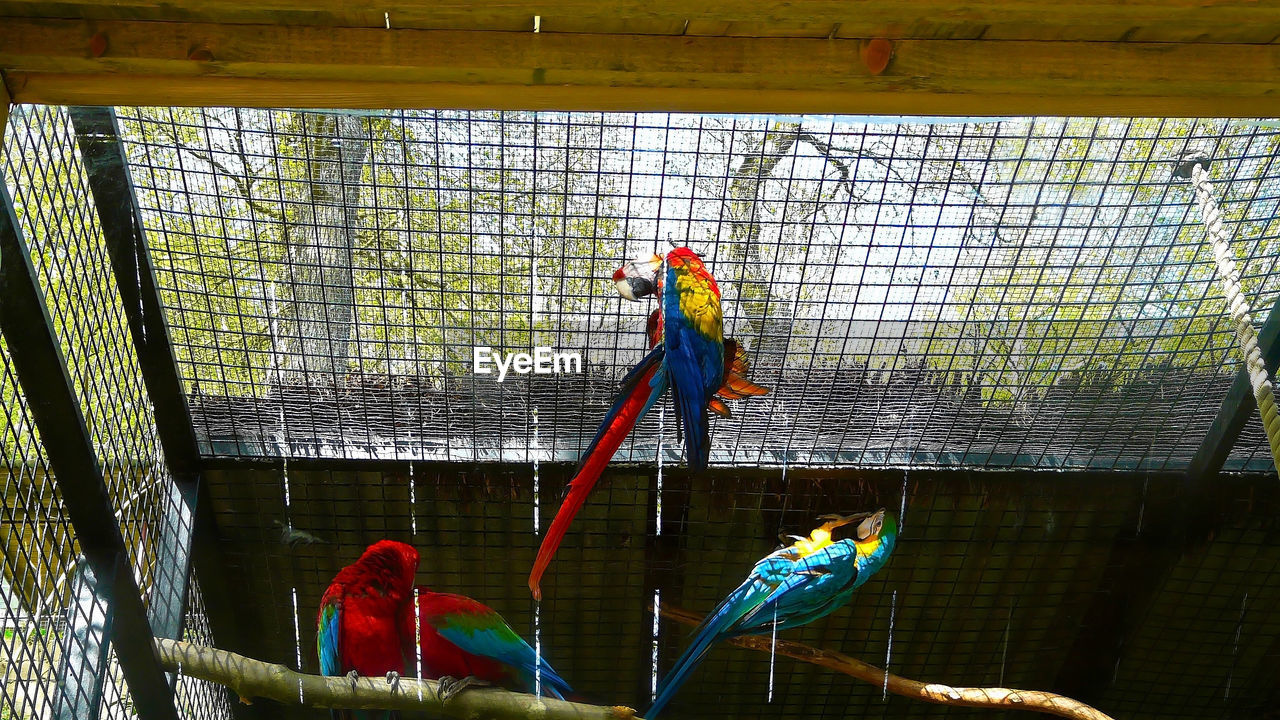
1000,698
254,678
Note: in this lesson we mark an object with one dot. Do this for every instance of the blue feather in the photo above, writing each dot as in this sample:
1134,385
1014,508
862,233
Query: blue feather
695,369
501,643
786,587
629,382
327,640
758,588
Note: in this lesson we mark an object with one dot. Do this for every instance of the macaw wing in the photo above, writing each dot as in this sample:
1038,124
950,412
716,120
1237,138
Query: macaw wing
688,372
756,589
641,388
483,632
812,588
327,637
693,333
719,408
736,386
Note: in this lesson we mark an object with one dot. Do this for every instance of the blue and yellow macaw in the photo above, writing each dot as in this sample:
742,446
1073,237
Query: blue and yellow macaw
790,587
689,354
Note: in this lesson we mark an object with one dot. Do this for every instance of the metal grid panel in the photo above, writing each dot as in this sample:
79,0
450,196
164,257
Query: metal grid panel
1014,293
197,698
1217,615
54,208
39,576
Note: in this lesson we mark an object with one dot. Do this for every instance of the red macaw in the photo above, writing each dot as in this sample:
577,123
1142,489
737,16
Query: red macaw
688,353
465,642
358,626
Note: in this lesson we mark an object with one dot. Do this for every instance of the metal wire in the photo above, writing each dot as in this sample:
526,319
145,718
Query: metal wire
199,698
992,578
1025,293
51,198
39,561
54,207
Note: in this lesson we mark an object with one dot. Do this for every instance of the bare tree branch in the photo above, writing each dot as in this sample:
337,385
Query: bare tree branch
937,693
253,678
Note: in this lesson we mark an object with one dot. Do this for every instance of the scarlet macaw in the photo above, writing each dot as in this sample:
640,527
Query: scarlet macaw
357,628
688,353
465,642
790,587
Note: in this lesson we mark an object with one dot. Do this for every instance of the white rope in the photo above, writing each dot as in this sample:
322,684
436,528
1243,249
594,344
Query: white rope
1229,274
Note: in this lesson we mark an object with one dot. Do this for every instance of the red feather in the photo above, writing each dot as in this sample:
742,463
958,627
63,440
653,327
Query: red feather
371,594
735,386
585,479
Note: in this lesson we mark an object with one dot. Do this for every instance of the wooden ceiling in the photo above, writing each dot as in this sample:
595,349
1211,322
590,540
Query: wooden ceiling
998,57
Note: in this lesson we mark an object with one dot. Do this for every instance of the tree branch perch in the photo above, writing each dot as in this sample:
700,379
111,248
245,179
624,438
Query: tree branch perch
253,678
999,698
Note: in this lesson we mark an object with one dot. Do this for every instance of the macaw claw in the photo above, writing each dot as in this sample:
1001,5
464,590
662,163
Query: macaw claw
450,686
353,677
393,679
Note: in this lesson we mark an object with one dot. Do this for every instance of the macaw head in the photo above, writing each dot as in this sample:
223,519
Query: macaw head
639,277
877,534
393,560
871,525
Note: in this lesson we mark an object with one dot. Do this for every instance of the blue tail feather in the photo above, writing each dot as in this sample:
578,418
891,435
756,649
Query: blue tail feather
713,628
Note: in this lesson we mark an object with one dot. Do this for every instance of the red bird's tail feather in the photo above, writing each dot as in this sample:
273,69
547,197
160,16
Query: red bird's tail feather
615,428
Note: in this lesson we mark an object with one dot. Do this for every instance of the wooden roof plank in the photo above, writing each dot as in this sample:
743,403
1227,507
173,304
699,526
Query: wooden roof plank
1156,20
259,65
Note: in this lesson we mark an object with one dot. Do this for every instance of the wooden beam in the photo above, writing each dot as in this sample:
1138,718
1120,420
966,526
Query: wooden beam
53,61
5,102
1138,20
238,92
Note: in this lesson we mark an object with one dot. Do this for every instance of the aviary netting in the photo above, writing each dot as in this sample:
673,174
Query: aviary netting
929,300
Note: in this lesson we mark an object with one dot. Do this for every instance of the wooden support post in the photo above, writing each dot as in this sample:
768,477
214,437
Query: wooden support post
5,102
41,368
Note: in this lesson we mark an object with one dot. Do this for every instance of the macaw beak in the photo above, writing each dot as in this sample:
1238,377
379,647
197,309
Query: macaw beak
870,527
638,278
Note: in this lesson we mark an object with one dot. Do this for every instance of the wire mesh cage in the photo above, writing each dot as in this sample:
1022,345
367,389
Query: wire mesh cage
928,301
1027,293
58,634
